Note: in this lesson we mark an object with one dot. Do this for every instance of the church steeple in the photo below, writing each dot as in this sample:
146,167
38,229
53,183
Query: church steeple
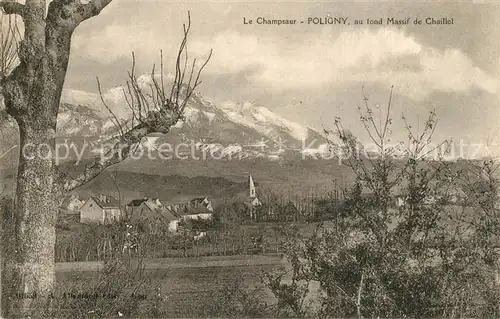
252,187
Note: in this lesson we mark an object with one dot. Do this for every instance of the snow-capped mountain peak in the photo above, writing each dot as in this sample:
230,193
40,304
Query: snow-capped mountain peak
235,126
263,120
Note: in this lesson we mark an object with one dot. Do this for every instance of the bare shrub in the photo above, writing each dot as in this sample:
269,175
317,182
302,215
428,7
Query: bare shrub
236,301
423,256
121,288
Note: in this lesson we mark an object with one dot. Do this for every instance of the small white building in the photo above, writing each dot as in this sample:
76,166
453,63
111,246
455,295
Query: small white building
72,203
202,204
197,208
100,209
69,210
401,200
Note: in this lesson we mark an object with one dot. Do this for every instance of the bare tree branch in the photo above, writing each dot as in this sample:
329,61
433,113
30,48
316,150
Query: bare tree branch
91,9
127,146
387,119
9,45
10,38
154,112
117,122
70,13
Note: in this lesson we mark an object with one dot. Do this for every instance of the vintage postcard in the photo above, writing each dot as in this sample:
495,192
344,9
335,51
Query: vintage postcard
200,159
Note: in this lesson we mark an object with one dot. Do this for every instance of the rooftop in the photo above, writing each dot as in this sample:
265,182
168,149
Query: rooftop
106,201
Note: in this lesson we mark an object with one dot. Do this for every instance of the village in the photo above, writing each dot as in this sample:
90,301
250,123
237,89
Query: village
186,227
105,209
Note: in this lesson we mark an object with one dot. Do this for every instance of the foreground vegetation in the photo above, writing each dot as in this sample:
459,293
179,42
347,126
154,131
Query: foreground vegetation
424,259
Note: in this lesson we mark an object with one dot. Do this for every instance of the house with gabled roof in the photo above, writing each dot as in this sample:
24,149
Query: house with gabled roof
152,214
196,208
71,203
201,204
144,205
69,210
102,209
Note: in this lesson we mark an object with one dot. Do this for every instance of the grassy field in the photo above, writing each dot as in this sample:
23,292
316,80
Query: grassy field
181,263
191,286
78,242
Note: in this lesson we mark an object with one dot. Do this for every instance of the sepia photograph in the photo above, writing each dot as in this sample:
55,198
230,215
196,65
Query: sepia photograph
249,159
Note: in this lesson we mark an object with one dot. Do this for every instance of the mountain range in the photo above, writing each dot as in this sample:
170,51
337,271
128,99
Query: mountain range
211,151
227,141
238,127
224,130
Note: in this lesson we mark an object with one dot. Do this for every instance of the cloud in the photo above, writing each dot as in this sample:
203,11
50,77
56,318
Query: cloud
117,41
353,56
386,55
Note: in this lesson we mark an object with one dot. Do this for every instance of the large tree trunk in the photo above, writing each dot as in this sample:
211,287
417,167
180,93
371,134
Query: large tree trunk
32,93
30,268
32,96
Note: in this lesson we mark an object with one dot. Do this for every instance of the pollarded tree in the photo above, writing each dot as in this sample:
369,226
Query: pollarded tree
32,93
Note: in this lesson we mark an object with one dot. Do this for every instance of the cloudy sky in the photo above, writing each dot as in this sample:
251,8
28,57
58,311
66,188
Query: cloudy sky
312,73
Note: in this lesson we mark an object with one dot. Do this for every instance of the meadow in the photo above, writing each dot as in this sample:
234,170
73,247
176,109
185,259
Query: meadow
191,287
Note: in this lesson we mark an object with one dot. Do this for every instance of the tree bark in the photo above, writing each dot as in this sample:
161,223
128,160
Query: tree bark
31,268
32,94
